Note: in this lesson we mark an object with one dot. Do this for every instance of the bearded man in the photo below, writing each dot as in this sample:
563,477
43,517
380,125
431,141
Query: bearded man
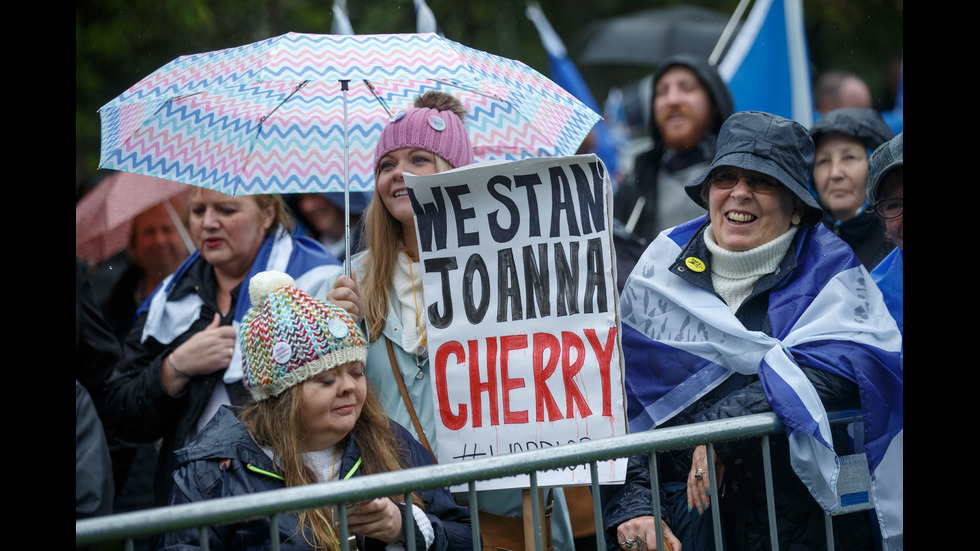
690,102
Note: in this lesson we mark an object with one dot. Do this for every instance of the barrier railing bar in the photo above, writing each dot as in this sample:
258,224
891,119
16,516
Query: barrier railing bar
714,497
341,516
600,540
287,500
536,510
410,527
655,492
274,531
474,515
770,492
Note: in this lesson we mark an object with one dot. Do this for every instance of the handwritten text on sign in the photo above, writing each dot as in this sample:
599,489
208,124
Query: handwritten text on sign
522,308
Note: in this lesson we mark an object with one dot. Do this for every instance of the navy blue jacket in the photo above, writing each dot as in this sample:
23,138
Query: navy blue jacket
198,476
743,503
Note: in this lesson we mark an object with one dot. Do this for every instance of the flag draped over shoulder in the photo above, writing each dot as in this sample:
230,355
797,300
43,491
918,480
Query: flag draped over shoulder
301,257
680,341
767,67
889,277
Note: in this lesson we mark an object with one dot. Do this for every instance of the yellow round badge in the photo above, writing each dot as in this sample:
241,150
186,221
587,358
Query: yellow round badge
694,264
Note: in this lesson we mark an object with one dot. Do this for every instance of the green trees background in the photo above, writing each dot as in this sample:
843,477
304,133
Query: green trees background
118,42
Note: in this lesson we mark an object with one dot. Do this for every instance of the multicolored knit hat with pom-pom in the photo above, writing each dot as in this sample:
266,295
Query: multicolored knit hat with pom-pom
288,336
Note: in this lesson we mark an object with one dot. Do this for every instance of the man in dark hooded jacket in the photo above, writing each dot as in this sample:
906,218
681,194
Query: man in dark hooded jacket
690,102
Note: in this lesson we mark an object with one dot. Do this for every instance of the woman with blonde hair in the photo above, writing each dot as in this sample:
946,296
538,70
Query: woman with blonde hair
313,419
426,139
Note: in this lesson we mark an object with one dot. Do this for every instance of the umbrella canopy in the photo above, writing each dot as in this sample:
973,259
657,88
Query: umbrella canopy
104,217
302,112
649,36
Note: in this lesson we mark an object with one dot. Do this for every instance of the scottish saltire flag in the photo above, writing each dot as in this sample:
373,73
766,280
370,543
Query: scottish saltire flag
680,341
889,276
425,20
563,72
299,256
767,67
341,23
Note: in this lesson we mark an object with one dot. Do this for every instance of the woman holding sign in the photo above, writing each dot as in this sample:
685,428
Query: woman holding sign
756,307
428,138
313,420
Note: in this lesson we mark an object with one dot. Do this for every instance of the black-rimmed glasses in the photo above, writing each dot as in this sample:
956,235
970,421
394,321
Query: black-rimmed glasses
889,208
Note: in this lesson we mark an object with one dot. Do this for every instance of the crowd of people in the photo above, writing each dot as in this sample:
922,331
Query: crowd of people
769,235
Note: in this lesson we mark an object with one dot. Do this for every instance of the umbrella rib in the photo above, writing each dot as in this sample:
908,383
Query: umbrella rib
374,93
281,103
472,90
258,130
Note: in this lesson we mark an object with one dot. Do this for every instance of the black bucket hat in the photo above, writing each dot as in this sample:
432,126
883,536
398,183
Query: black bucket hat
886,158
766,143
863,124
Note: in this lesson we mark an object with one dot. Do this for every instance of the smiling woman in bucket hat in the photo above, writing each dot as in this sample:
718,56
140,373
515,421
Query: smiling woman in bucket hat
712,309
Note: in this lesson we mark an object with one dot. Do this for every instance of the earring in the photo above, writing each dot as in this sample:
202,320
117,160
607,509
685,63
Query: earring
795,220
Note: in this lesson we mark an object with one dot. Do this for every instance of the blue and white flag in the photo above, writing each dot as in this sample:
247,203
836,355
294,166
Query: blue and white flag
767,67
299,256
889,276
425,20
341,23
563,72
680,341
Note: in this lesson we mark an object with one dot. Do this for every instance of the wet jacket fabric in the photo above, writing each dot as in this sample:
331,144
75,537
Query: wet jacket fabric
138,407
658,162
199,476
743,500
866,237
93,466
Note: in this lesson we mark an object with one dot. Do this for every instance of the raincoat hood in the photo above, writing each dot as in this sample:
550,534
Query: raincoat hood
865,125
721,98
886,158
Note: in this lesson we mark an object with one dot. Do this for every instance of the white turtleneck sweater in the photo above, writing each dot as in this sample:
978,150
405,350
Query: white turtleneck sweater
734,273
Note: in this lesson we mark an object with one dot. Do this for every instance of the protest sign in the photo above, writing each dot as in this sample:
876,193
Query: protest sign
522,310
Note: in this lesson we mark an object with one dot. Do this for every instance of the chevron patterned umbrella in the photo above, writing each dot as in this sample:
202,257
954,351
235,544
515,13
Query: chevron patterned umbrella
302,112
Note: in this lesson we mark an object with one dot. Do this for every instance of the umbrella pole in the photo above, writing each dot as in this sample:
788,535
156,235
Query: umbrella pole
343,89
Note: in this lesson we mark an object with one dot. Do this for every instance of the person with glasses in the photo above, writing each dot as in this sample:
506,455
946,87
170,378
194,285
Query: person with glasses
885,190
844,139
754,307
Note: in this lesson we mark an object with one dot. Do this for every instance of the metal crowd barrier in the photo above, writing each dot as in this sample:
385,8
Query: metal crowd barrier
127,526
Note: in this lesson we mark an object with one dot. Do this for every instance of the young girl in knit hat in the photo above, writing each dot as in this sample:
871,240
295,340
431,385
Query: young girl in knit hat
314,419
426,139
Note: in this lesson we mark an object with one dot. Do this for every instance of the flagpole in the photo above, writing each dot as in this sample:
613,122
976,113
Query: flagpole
727,33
